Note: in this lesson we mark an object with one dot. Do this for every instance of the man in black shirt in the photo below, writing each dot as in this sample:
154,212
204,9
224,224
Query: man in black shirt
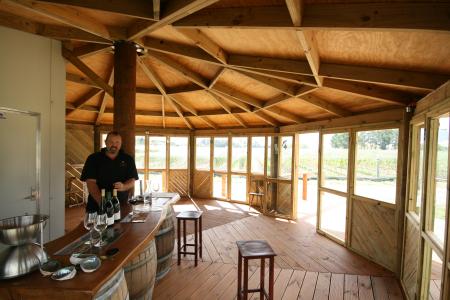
109,169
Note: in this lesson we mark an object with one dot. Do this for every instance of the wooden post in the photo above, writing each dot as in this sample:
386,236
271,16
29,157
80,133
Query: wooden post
191,167
125,93
305,186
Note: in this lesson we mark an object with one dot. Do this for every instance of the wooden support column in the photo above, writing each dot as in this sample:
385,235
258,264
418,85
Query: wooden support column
97,138
125,93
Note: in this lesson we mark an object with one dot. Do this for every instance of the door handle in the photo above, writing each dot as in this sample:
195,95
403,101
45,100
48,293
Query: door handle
32,196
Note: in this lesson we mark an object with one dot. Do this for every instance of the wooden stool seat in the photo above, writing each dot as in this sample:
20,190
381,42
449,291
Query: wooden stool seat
255,249
184,216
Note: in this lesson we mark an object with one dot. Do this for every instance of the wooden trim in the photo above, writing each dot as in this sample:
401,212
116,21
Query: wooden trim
136,8
72,17
87,71
171,11
327,16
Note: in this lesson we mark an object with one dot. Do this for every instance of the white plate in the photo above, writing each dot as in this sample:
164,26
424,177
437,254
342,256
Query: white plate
77,258
65,273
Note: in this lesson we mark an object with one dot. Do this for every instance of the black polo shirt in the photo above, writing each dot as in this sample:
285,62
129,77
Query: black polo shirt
107,171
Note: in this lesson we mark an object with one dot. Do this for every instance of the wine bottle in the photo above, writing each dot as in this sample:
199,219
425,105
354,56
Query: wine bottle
109,209
101,209
116,204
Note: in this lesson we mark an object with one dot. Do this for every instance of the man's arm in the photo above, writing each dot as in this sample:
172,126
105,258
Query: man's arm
94,191
124,186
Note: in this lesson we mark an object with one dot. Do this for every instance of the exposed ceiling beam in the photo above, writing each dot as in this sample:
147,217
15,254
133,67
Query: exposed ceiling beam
83,99
136,8
326,16
71,17
204,42
371,91
216,77
295,8
244,106
270,64
239,119
238,95
309,45
280,85
48,30
429,81
90,49
325,105
87,71
103,101
179,111
227,108
266,118
285,114
149,113
172,11
208,122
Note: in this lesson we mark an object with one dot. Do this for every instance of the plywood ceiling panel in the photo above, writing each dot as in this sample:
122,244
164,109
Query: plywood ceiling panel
168,77
107,18
169,33
199,67
175,122
198,123
303,109
75,91
95,101
257,42
149,121
148,102
83,116
344,100
20,12
244,3
198,100
252,120
409,50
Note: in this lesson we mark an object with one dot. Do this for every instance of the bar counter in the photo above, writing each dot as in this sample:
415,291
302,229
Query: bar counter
135,237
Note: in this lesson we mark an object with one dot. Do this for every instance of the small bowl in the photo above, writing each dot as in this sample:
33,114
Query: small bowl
49,267
90,264
65,273
77,258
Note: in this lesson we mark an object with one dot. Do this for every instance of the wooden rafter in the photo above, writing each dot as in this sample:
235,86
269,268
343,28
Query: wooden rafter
266,118
83,99
87,71
90,49
204,42
71,17
163,111
326,16
325,105
295,8
136,8
48,30
103,101
280,85
242,105
216,77
238,95
174,10
227,108
270,64
309,45
178,110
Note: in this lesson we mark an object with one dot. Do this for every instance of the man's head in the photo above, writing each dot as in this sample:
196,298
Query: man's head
113,142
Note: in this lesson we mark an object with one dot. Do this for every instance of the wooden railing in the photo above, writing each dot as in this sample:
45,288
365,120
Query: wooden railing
75,193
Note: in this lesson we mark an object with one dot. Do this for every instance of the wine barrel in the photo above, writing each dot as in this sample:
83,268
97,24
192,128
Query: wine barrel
115,289
140,273
165,242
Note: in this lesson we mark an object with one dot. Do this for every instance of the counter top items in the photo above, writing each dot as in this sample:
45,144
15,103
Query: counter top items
21,230
65,273
16,261
49,267
90,264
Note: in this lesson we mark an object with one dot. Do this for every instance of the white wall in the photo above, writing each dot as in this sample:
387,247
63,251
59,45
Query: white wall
32,78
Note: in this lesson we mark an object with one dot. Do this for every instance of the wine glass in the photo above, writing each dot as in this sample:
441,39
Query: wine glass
155,186
100,226
133,201
89,222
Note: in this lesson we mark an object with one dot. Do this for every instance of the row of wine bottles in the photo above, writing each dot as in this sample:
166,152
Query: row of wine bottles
110,206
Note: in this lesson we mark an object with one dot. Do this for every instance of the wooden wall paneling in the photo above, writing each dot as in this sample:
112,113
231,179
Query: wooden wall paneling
411,258
178,182
202,184
374,232
79,144
284,198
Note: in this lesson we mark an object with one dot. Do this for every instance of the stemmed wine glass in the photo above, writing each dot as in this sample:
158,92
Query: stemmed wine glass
100,226
89,222
155,188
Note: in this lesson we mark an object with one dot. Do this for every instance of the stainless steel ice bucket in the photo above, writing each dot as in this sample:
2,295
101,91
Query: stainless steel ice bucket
22,229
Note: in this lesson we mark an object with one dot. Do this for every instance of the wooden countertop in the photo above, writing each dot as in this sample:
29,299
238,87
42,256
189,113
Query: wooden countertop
134,238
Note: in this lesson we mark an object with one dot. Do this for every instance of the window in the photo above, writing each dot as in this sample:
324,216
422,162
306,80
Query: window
417,168
220,185
238,187
157,152
376,164
202,153
239,154
258,154
139,155
285,157
335,161
220,154
178,153
333,213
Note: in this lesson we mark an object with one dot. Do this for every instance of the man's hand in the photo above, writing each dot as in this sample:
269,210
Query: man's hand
119,186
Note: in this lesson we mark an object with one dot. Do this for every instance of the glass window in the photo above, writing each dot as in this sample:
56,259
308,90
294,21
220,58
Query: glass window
433,268
440,177
270,155
258,154
220,185
238,187
179,152
376,164
335,161
239,154
417,168
285,157
202,153
139,148
333,213
157,152
220,154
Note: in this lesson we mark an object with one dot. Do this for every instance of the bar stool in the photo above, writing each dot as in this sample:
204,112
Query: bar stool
255,249
184,216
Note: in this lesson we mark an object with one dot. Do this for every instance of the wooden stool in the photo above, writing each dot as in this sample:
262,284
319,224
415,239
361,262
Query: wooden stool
255,250
195,216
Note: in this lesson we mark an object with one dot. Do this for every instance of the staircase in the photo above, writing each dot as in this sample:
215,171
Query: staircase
75,191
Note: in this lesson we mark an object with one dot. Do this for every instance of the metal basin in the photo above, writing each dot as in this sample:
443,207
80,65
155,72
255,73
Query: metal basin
21,230
20,260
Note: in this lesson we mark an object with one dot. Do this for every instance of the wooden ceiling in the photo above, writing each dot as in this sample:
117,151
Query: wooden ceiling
244,63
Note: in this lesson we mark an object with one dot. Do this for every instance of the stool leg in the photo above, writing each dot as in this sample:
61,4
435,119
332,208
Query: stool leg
271,278
239,295
184,237
245,279
179,242
261,279
200,232
195,241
